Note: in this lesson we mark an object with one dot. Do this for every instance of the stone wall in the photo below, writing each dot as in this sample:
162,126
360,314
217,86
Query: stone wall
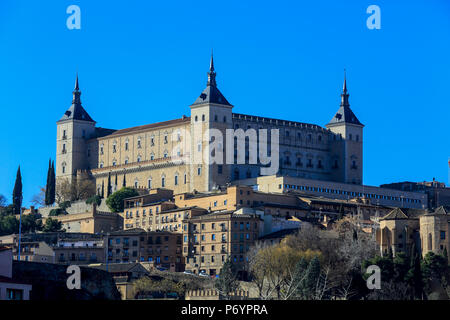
49,282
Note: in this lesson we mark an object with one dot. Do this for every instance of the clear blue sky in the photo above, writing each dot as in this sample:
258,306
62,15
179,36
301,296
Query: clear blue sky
146,61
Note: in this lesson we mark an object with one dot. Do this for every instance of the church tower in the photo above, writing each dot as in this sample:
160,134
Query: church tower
347,143
73,130
210,111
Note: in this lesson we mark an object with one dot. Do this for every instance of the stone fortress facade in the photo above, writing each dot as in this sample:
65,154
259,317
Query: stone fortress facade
154,155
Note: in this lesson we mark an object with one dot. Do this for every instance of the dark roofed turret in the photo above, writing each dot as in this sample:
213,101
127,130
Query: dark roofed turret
76,111
211,94
344,114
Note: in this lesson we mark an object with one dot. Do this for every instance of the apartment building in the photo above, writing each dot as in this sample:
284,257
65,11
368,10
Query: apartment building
162,249
208,240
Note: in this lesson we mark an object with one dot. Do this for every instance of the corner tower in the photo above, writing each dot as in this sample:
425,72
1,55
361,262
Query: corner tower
73,129
347,145
211,110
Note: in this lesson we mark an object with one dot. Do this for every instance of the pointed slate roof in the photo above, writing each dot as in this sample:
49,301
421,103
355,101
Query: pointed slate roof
395,214
211,94
440,211
76,111
344,114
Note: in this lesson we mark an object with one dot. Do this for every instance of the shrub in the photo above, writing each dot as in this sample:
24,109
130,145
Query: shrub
115,200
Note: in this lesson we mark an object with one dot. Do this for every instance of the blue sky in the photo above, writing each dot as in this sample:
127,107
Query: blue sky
146,61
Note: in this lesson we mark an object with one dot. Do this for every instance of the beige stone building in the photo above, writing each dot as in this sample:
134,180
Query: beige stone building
336,190
402,228
169,154
161,249
208,240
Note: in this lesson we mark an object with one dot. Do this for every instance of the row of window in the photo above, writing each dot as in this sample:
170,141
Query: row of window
349,193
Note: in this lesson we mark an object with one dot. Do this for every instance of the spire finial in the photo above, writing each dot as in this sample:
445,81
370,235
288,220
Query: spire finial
77,88
211,64
76,92
211,73
345,82
344,95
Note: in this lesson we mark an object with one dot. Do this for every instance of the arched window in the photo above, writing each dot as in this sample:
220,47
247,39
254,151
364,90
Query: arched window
163,181
114,162
126,145
114,147
152,156
203,117
139,158
63,167
126,160
136,183
101,164
139,145
101,148
166,153
149,183
185,178
176,179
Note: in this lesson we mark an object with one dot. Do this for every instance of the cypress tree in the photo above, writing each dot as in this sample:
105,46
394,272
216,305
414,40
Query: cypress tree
52,184
103,189
124,184
115,182
17,193
109,185
47,185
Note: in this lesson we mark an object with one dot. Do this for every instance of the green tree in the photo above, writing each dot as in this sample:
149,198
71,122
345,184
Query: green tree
47,185
8,225
115,200
228,281
434,268
94,199
309,285
109,191
124,183
32,222
52,225
17,193
414,275
50,188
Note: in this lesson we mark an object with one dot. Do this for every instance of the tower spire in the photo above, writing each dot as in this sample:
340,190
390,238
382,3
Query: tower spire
211,73
344,95
345,82
76,93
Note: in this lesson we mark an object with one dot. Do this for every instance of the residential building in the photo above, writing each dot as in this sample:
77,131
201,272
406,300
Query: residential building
162,249
208,240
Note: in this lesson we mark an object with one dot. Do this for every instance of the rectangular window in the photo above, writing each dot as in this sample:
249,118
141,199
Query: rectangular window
442,235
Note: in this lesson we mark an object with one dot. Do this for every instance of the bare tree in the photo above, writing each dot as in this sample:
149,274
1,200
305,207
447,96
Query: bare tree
39,198
81,188
2,201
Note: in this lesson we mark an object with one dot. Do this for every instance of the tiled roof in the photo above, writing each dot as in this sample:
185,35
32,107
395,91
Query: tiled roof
152,125
395,214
